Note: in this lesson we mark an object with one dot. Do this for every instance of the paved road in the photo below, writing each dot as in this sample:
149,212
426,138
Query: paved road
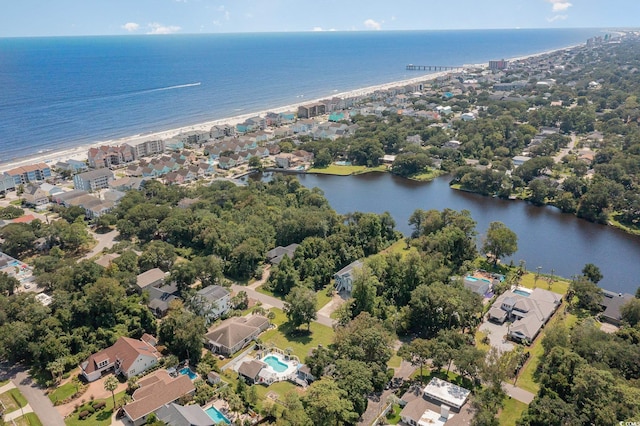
104,241
270,301
518,393
38,401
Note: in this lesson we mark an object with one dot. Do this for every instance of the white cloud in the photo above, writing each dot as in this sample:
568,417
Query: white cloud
559,5
317,29
393,18
156,28
130,26
557,18
372,25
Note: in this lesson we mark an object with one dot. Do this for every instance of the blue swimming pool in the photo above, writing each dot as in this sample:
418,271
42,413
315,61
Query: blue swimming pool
15,263
277,365
343,163
522,293
217,416
186,371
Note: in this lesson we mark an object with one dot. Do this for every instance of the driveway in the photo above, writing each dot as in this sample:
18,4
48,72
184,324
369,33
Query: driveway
496,334
38,401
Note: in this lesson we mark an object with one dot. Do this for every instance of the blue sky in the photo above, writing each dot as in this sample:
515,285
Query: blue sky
111,17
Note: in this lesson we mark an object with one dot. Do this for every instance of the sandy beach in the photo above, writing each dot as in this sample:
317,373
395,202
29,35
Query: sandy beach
80,152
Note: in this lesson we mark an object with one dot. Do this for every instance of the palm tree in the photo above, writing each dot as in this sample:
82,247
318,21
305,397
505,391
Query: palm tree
111,384
288,351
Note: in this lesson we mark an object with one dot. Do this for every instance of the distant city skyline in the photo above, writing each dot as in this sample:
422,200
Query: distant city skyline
25,18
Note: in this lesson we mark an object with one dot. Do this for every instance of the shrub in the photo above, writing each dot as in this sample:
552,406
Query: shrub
83,415
99,405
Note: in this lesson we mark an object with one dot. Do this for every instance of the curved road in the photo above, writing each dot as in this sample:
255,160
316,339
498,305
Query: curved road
40,404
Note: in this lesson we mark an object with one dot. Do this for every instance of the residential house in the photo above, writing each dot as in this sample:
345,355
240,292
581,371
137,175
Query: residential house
126,356
250,370
73,166
93,207
178,415
275,256
452,144
35,197
285,160
220,131
235,333
344,277
477,285
529,311
611,303
283,132
93,180
214,378
7,183
226,163
154,392
127,183
212,301
152,278
468,116
174,144
303,155
50,190
519,160
160,298
65,198
30,173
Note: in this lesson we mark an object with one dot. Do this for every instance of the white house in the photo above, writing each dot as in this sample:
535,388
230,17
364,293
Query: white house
127,356
212,301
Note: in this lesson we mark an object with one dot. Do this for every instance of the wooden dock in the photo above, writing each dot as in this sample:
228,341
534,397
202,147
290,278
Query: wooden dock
412,67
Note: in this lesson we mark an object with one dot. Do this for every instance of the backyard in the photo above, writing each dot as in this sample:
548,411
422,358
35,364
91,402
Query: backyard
299,340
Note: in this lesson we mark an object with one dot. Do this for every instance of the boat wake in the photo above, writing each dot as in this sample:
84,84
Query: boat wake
159,89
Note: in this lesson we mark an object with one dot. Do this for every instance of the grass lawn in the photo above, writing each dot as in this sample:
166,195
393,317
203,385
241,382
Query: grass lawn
427,176
511,411
480,335
334,169
322,298
393,417
525,379
263,290
63,392
400,247
394,362
29,419
558,286
99,418
3,382
12,400
300,341
281,388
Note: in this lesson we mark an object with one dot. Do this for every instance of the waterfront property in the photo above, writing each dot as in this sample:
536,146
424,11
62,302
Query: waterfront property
30,173
611,303
344,277
126,356
528,310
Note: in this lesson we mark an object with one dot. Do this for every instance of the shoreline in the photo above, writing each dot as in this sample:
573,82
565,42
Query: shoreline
79,152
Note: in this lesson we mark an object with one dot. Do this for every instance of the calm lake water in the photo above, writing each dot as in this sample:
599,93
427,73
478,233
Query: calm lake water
546,237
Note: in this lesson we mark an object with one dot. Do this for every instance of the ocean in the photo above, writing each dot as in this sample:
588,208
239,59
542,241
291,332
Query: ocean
57,93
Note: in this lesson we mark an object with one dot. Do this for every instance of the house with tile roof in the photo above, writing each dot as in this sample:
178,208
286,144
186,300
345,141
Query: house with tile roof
126,356
235,333
156,391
